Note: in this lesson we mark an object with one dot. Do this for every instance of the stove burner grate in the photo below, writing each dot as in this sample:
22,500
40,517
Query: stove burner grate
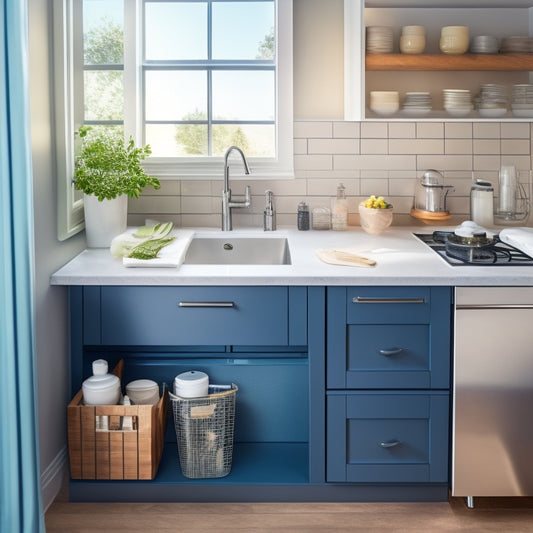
499,254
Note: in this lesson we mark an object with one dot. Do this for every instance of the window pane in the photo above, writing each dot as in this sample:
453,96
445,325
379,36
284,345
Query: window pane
176,95
171,140
111,131
243,95
175,30
104,95
250,26
255,140
103,32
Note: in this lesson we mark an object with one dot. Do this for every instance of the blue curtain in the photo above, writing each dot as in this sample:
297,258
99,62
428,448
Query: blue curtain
20,494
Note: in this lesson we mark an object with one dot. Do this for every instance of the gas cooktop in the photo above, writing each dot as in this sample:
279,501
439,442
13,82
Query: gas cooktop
497,254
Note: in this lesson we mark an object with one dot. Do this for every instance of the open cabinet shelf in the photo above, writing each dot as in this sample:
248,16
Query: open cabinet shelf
463,62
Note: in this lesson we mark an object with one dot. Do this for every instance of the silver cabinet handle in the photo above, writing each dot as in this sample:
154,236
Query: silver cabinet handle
391,351
390,443
365,300
206,304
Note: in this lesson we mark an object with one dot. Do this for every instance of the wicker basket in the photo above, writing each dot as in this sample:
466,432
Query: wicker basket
101,448
204,431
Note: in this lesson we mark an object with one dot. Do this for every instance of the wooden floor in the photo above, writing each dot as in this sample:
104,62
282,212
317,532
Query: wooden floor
498,515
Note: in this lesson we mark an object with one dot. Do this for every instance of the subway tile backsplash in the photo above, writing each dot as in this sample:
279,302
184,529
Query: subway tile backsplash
368,157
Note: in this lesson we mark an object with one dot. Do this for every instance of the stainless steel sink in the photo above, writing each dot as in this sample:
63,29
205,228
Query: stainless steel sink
238,251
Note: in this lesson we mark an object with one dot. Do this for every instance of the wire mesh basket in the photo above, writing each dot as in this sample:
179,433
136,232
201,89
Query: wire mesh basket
204,431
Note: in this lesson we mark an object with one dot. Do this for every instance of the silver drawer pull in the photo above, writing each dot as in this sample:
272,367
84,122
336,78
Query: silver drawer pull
390,443
365,300
206,304
391,351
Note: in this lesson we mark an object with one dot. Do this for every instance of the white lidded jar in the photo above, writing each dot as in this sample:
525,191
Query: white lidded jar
192,384
482,203
143,392
101,388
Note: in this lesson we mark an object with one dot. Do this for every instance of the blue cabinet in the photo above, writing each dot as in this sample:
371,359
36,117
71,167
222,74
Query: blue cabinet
388,381
343,391
261,338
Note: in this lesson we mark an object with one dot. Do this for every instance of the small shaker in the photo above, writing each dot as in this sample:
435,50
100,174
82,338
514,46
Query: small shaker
303,216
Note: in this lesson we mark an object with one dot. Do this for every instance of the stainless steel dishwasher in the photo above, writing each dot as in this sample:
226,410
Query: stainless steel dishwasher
492,434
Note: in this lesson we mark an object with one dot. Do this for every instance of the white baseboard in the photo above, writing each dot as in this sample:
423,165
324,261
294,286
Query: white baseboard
53,477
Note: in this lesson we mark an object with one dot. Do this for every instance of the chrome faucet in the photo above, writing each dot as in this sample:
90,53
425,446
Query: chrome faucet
227,202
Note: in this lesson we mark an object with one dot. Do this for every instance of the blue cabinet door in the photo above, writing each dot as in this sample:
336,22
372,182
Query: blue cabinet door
166,316
395,437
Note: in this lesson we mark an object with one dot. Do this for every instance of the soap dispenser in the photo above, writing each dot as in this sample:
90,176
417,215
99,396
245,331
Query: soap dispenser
339,212
269,216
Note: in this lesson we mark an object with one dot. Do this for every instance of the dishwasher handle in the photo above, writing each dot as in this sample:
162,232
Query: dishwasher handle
466,307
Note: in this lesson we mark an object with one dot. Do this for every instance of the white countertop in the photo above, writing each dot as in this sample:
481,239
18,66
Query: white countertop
401,258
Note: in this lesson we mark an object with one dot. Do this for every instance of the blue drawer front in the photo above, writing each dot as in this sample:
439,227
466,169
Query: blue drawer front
387,437
356,330
153,316
388,305
388,356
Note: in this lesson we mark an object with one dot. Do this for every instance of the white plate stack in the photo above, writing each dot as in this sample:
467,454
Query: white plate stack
457,102
518,44
484,44
522,102
417,103
492,100
379,39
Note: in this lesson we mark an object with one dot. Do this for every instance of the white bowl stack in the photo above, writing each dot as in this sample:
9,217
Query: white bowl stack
522,100
413,40
492,100
384,102
454,39
417,103
457,102
484,44
379,39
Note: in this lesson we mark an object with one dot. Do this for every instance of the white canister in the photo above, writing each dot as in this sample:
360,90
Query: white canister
143,392
101,388
482,203
192,384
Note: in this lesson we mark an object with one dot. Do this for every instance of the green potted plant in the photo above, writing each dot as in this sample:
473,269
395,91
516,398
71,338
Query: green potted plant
108,171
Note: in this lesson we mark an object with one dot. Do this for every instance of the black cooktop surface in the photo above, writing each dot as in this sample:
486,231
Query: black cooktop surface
498,254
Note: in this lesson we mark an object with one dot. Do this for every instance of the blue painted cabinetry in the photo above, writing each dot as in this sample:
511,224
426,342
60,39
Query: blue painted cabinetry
343,391
388,381
260,338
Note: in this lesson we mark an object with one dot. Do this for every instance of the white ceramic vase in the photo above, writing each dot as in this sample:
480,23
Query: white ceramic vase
104,220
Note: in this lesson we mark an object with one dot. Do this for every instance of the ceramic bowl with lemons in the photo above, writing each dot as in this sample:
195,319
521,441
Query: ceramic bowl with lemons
375,215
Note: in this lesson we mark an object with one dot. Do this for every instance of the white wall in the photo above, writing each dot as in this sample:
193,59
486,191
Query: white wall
51,321
318,59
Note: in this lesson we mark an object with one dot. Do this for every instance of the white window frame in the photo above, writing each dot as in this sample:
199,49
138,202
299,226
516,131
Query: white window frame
70,207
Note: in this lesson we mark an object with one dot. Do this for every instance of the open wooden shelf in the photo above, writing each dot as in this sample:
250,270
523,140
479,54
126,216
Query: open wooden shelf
468,62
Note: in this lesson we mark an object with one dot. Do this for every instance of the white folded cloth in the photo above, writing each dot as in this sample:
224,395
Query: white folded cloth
170,256
521,238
